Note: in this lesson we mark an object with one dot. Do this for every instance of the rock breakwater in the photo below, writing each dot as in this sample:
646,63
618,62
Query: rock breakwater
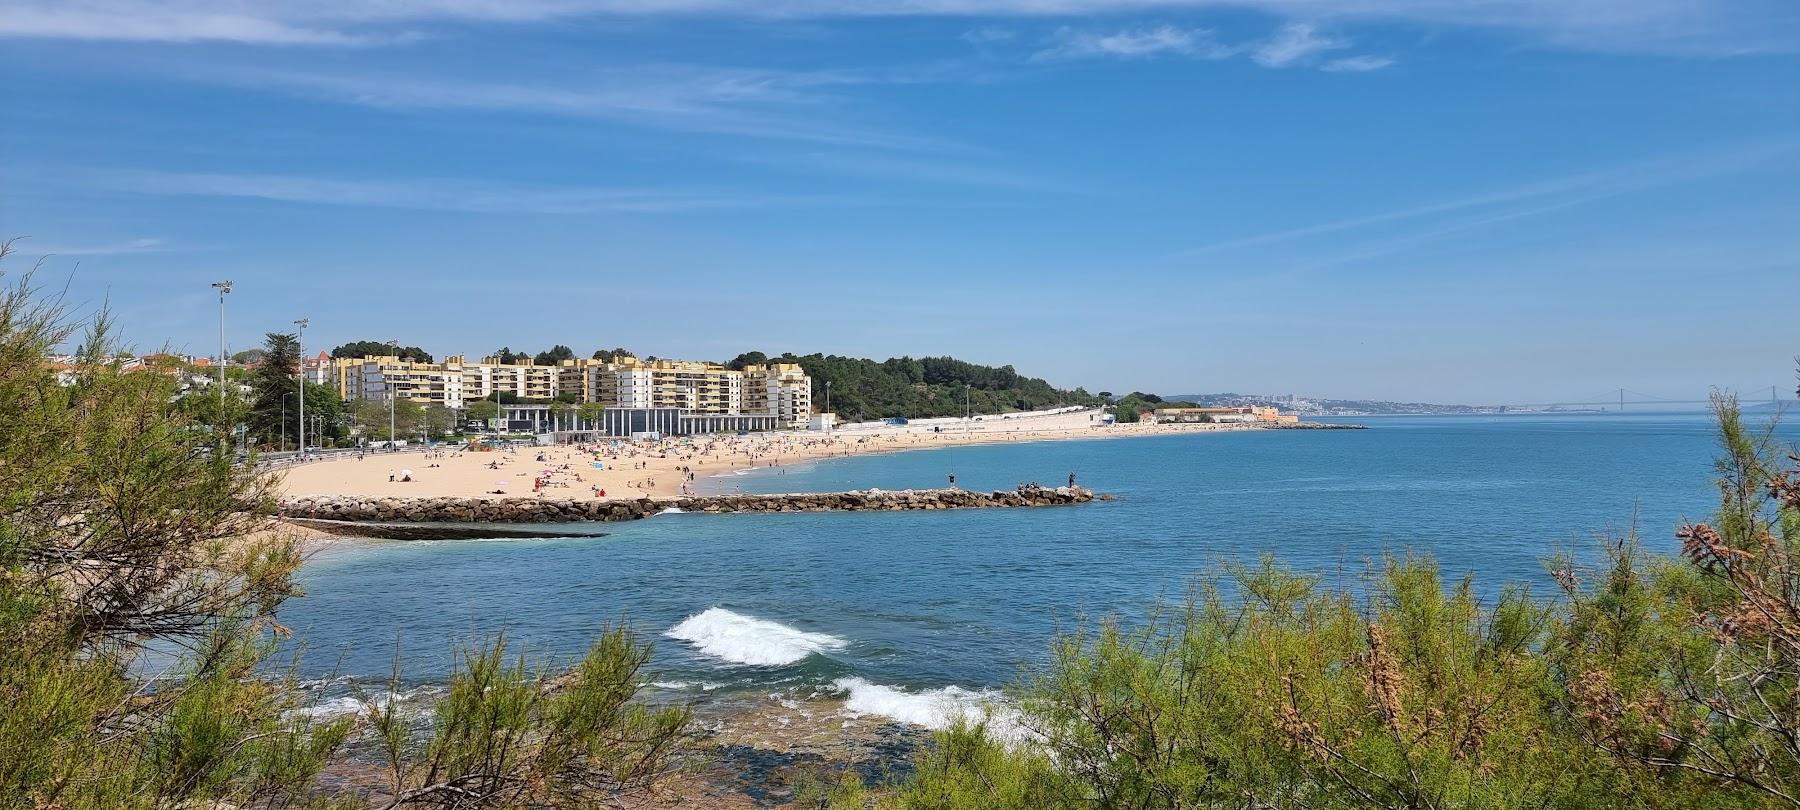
563,510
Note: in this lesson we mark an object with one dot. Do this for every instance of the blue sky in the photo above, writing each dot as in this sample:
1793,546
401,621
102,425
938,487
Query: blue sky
1513,200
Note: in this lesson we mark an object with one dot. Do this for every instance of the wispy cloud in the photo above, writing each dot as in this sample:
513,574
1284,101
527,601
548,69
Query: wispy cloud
127,247
1357,64
434,194
910,170
1072,43
779,105
989,35
1533,199
1709,27
1294,44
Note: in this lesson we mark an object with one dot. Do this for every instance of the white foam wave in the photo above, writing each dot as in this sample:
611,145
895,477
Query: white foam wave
932,708
935,709
349,704
684,686
748,640
332,708
673,510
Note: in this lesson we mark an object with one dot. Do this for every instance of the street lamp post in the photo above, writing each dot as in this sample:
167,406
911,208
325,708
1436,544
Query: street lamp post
828,418
393,394
224,288
300,343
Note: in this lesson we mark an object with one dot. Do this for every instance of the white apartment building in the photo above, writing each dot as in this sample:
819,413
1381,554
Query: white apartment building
378,378
780,390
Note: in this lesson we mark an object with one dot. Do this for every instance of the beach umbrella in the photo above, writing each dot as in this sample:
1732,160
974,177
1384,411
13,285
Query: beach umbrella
500,484
406,472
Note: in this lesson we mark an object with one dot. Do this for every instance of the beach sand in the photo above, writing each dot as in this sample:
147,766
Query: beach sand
663,468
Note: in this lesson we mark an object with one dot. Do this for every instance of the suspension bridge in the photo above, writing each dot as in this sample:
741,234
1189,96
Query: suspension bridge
1621,398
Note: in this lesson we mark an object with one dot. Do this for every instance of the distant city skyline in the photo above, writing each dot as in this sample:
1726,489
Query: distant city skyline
1410,200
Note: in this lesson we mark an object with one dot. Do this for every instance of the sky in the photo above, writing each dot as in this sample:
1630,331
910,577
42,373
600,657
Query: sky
1508,201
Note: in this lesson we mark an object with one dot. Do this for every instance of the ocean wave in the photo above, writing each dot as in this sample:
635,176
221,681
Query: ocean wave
934,709
748,640
337,707
679,686
673,510
349,704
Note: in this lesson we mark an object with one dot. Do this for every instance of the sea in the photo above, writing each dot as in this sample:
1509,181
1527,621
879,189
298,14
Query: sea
916,616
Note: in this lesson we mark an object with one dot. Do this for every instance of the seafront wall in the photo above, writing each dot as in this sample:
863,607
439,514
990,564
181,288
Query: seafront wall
562,510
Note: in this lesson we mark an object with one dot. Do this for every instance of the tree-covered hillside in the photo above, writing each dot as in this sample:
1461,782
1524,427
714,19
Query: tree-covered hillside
921,387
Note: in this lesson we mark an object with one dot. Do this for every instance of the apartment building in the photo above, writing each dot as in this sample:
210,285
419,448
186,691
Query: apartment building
780,390
524,379
378,378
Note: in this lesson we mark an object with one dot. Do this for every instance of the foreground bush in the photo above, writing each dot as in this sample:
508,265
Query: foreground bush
1652,682
139,579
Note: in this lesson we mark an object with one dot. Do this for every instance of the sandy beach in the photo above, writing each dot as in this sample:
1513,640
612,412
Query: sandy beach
669,467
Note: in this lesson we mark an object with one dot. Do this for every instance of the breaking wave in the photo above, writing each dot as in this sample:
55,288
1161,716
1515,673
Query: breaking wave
748,640
935,709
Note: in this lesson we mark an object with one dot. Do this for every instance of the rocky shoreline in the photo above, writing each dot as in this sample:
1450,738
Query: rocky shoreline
359,509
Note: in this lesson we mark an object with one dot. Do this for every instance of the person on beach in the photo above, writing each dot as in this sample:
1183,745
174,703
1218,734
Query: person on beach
390,476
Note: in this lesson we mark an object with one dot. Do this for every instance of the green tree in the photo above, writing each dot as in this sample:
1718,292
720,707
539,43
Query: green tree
606,355
1693,666
125,527
555,355
590,413
275,391
748,359
438,421
372,419
376,348
128,535
325,416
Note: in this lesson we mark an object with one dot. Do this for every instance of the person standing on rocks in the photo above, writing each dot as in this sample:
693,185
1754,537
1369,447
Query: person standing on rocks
953,480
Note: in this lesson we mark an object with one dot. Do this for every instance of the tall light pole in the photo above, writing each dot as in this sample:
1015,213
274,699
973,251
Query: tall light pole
224,288
300,343
828,417
393,394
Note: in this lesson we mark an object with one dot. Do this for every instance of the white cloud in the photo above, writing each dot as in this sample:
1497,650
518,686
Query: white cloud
1357,64
776,105
1136,42
1294,43
1544,196
1711,27
433,194
131,246
989,35
905,169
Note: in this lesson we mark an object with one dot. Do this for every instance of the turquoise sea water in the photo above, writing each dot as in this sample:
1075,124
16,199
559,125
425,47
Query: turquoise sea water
894,608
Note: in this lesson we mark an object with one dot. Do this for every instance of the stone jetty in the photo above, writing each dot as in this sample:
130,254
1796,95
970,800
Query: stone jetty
565,510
